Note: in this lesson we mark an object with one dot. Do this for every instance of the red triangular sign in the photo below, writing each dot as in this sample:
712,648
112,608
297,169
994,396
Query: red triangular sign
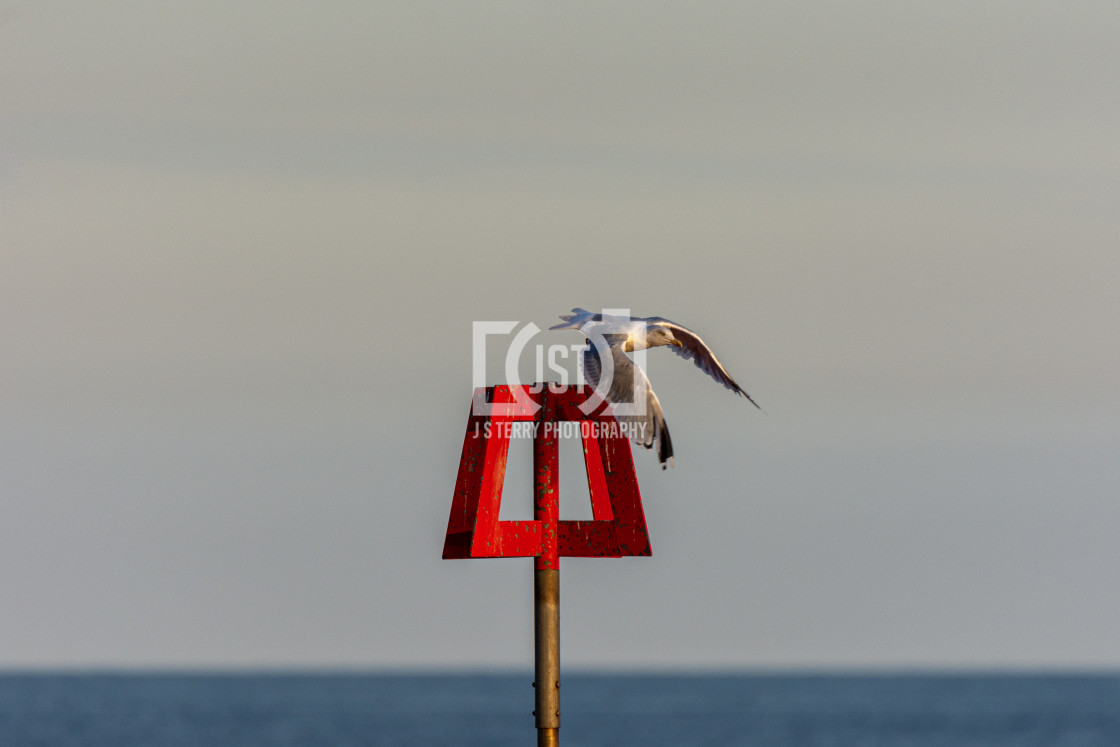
474,529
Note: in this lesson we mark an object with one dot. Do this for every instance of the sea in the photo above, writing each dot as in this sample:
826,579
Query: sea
597,710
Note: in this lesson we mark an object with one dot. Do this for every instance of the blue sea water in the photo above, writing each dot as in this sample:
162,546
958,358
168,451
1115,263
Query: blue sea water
598,710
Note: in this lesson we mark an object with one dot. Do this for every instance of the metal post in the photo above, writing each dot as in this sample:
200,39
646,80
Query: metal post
547,588
546,581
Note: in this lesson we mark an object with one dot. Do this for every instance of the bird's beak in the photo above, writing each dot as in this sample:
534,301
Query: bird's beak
678,343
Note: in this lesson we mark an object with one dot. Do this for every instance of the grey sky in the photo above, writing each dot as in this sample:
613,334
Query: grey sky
243,248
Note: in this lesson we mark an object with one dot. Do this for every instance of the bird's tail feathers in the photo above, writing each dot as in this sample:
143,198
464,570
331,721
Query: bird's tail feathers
664,445
656,420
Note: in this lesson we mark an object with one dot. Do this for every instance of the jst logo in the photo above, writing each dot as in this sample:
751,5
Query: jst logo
559,359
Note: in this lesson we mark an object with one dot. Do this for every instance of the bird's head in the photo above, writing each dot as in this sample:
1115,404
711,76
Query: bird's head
654,337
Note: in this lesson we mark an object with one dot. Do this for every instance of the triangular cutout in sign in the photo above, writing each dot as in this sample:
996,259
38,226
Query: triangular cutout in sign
474,529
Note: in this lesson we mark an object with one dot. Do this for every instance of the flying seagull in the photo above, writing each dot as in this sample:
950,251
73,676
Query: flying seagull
629,383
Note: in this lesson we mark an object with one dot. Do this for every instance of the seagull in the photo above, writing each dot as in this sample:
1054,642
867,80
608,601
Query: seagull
621,335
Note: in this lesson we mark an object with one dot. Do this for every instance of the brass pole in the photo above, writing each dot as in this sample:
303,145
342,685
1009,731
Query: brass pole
546,579
547,591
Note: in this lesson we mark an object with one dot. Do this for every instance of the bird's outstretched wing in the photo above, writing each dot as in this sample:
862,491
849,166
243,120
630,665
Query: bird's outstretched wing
577,319
695,349
692,347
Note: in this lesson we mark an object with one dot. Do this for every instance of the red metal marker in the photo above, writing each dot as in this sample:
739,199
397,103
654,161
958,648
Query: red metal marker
475,531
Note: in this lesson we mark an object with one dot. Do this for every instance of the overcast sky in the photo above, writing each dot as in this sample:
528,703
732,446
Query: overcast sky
242,247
